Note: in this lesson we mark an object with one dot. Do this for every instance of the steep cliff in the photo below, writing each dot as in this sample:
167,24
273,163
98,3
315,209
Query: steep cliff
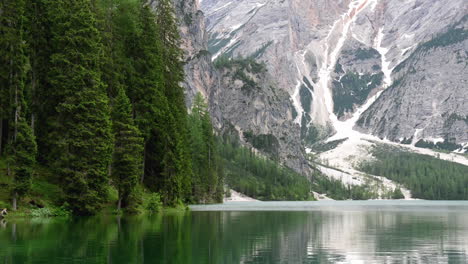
200,76
243,97
334,58
429,96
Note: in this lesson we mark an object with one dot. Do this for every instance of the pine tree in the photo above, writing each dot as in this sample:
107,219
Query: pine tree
82,127
25,151
198,150
128,151
207,180
144,77
14,107
13,65
179,170
38,52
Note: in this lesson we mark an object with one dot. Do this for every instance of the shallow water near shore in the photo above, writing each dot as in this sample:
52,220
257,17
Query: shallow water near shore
251,232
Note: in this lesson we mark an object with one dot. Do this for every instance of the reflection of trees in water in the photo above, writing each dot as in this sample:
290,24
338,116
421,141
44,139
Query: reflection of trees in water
3,223
426,237
227,237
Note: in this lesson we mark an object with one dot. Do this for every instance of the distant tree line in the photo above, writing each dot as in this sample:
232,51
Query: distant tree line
427,177
257,176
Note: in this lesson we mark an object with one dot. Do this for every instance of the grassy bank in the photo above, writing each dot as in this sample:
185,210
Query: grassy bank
46,198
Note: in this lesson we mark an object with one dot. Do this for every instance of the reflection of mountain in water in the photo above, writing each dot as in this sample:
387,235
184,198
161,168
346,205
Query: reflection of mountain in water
369,234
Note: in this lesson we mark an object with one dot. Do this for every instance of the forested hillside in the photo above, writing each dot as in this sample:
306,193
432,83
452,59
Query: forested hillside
427,177
91,96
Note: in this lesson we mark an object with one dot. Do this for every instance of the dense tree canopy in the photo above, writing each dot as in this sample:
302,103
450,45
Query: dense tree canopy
427,177
97,85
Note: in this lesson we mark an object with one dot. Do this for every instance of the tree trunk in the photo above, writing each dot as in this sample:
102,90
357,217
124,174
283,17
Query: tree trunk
17,112
119,204
33,122
15,198
144,164
1,135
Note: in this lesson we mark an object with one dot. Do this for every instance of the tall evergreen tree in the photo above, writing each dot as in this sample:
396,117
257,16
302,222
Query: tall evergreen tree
38,52
82,127
128,151
13,104
144,76
13,66
25,151
178,170
207,182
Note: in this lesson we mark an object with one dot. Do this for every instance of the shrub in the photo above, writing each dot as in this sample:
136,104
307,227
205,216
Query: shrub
398,194
154,203
4,205
51,212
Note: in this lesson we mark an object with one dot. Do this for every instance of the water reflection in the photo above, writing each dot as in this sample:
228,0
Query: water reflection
320,236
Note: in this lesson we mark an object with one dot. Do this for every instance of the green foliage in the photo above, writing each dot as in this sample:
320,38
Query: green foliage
353,89
398,194
203,53
128,151
4,205
451,36
51,212
13,61
83,129
25,151
22,144
407,141
248,64
176,162
306,98
444,145
207,181
261,178
335,189
311,134
326,146
81,56
266,143
215,45
242,69
427,177
365,54
154,203
258,53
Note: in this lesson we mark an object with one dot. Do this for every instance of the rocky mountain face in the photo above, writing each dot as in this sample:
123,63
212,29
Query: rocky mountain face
242,96
200,74
311,72
251,104
429,95
334,58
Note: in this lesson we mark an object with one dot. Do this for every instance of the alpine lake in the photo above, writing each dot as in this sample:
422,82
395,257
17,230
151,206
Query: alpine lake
250,232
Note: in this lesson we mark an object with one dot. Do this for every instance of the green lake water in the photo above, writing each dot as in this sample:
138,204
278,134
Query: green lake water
252,232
